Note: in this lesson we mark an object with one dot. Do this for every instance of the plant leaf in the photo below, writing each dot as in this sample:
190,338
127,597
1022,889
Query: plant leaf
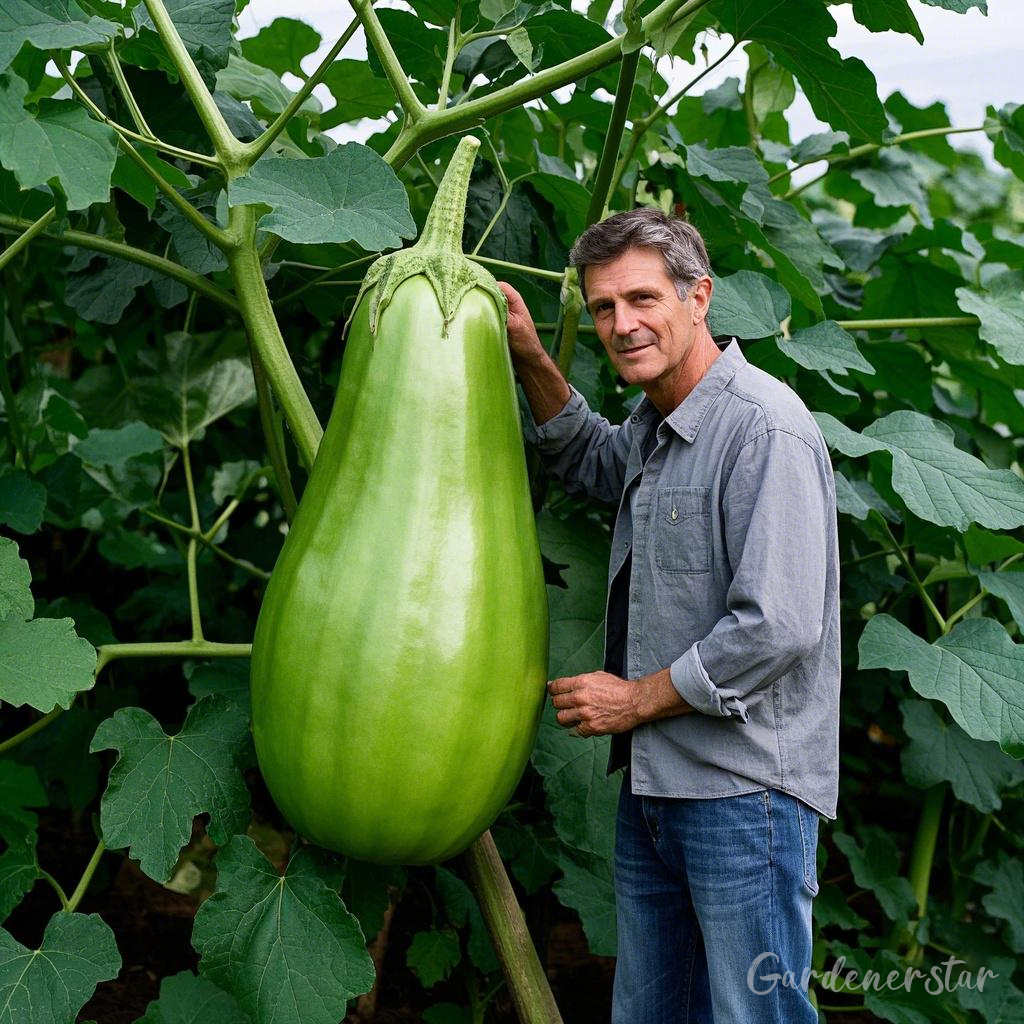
160,783
825,346
49,25
284,946
350,194
78,951
43,663
975,670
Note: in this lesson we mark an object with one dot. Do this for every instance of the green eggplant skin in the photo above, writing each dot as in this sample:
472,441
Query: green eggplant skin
400,656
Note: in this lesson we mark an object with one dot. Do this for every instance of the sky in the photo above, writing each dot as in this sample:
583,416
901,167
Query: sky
967,60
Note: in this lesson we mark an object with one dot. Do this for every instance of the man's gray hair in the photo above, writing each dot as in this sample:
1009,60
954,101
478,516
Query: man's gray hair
680,245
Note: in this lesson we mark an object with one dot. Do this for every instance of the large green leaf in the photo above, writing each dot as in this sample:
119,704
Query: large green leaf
187,999
22,501
976,670
875,864
747,305
49,25
841,91
825,346
281,45
160,782
1001,311
284,946
938,481
887,16
261,87
61,143
1010,587
357,93
19,789
15,580
43,663
942,752
348,195
1006,900
54,981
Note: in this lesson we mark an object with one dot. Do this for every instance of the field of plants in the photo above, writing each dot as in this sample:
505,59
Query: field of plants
182,245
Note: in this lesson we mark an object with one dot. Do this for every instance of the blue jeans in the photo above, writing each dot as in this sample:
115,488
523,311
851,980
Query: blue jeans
703,888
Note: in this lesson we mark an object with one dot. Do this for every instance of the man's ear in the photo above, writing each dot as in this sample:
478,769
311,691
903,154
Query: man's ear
701,295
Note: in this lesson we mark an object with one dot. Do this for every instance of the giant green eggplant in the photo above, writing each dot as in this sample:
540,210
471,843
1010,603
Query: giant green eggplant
400,655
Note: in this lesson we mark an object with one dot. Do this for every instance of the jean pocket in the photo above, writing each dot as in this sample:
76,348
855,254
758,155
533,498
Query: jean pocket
682,531
808,821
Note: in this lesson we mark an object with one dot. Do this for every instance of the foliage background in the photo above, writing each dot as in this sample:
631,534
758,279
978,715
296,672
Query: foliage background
146,479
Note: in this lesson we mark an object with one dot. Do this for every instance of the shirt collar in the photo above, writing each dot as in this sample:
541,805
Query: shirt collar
686,418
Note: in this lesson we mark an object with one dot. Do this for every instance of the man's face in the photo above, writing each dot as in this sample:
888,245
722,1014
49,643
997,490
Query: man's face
647,330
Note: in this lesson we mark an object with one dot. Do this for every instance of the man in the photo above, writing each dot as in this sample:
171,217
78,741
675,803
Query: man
721,681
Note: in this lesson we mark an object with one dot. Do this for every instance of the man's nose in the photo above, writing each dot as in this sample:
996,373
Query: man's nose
625,321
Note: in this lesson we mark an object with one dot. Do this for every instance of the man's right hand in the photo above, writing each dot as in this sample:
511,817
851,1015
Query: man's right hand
523,341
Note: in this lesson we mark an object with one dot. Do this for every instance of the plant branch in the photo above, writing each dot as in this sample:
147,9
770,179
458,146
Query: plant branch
265,335
866,148
126,92
240,563
83,884
193,546
123,251
641,127
255,149
455,42
30,730
393,70
170,649
36,228
549,275
227,147
127,133
907,323
914,578
436,124
273,437
56,886
527,982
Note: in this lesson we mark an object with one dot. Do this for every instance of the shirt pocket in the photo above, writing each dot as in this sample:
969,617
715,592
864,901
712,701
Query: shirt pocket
682,531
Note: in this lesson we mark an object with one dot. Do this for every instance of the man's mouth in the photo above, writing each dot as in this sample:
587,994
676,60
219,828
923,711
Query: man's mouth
632,351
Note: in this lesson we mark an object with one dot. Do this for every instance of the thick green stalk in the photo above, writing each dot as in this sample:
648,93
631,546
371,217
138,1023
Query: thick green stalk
123,251
255,149
527,982
572,308
265,335
227,147
923,855
436,124
601,191
393,70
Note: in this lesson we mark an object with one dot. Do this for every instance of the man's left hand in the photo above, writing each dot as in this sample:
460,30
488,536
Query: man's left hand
595,703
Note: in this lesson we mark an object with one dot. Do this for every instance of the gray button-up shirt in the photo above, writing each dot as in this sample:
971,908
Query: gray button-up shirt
725,569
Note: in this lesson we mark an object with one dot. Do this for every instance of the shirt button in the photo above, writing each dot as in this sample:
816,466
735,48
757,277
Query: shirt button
634,418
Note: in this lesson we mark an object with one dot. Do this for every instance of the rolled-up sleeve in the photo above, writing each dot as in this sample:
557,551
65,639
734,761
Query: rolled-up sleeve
778,514
586,452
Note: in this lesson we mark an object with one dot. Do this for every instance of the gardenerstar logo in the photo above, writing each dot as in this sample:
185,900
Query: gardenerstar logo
935,980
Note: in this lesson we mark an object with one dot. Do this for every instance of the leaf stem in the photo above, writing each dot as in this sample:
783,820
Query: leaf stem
908,323
240,563
549,275
193,545
134,109
231,152
255,149
273,437
868,147
30,730
127,133
506,196
914,578
83,884
170,649
455,42
123,251
55,885
36,228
